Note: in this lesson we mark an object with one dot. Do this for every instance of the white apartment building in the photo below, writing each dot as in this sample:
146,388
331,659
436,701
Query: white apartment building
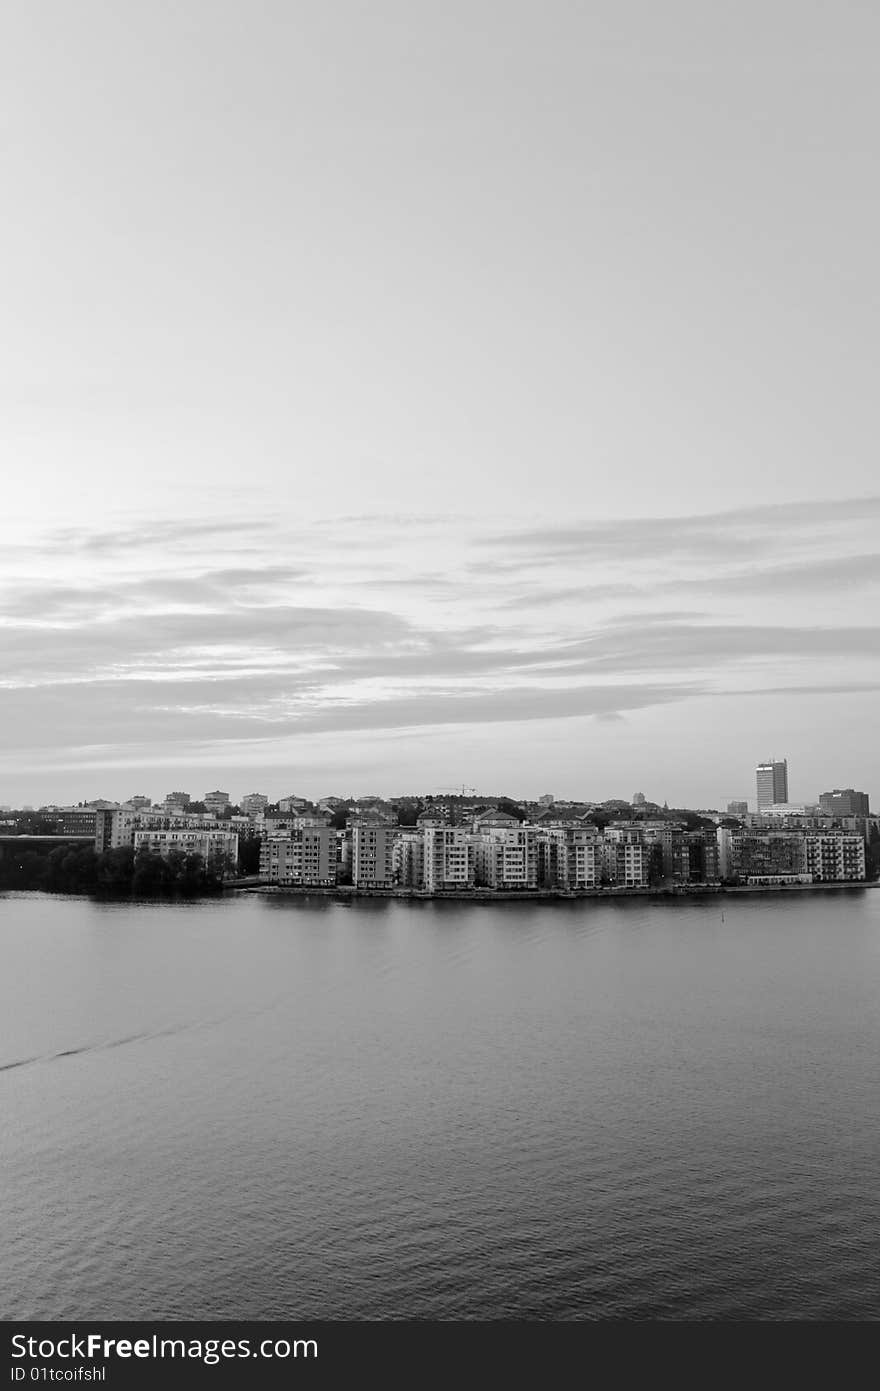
504,857
211,845
303,854
834,857
448,857
372,855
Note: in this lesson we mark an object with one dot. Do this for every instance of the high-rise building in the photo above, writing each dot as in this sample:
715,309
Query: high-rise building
372,854
772,782
844,802
216,801
738,808
448,857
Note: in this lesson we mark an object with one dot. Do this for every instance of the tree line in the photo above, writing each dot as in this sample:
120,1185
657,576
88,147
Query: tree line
119,873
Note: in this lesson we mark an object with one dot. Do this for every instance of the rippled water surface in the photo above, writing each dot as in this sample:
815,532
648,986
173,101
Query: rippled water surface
269,1109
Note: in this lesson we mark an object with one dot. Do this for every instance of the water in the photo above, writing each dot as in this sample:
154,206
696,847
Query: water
259,1109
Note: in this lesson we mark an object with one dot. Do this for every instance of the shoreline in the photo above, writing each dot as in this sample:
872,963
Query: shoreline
347,892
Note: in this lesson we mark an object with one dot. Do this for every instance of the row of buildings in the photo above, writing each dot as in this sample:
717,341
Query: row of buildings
497,851
163,832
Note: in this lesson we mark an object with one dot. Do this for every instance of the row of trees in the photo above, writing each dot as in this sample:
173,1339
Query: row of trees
72,869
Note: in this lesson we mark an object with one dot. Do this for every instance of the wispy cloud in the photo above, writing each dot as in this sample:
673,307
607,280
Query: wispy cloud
228,633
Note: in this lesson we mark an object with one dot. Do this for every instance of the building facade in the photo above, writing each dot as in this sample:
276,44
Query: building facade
301,855
772,782
447,858
844,802
372,857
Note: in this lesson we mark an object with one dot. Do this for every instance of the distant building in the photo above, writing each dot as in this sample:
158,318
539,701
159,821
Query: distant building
216,801
293,803
772,782
547,799
844,802
76,823
639,799
179,799
737,808
253,803
139,803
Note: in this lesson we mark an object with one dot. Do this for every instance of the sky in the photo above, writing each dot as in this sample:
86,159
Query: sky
398,396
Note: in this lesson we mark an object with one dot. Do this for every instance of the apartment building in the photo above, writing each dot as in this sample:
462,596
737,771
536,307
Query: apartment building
448,857
213,846
834,856
505,856
569,857
372,846
625,857
409,859
300,855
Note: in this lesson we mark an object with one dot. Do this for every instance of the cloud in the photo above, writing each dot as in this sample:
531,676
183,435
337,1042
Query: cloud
191,644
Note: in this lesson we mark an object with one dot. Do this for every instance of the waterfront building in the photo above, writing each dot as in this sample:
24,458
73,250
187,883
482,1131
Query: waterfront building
745,852
372,854
625,857
409,859
215,847
448,857
569,856
834,856
772,782
301,855
505,854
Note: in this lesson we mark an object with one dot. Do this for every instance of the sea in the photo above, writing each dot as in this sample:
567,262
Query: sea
294,1107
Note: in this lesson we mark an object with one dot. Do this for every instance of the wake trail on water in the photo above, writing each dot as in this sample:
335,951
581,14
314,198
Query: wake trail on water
105,1044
